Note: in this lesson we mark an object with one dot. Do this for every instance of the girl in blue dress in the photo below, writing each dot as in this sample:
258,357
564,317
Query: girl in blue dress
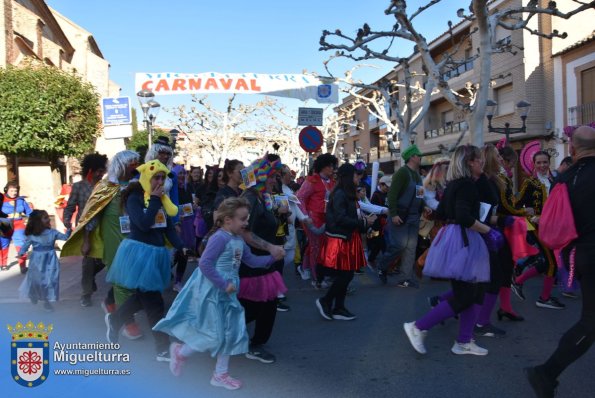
42,282
206,315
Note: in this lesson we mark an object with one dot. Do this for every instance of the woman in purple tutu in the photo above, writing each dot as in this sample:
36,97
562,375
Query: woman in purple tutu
459,253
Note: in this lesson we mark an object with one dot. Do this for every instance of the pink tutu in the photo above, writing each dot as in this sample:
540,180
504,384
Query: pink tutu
262,288
449,258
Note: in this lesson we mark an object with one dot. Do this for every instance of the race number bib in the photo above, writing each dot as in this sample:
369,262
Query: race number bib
125,225
160,220
419,191
186,210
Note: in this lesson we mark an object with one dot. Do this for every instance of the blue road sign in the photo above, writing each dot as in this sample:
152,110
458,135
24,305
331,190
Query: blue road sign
116,111
310,139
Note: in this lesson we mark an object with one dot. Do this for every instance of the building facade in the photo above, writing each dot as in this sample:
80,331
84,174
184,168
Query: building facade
31,29
538,71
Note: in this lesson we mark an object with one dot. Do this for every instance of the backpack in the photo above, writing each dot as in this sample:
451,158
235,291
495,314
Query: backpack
556,224
557,228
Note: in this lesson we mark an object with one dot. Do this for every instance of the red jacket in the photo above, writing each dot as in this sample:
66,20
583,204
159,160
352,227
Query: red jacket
313,195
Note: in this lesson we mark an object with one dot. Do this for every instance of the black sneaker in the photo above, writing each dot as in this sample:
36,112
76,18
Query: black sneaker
517,288
325,309
112,333
86,302
551,303
488,331
260,354
570,295
359,272
542,386
24,270
343,314
163,356
382,276
282,307
47,306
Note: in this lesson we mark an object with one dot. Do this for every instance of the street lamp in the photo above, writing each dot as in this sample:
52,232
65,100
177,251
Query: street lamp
173,134
358,152
390,141
412,137
276,147
522,109
150,109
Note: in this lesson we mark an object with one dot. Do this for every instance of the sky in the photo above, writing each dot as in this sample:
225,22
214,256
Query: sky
257,36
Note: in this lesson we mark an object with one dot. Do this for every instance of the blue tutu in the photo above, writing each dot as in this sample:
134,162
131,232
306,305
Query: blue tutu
449,258
138,265
207,319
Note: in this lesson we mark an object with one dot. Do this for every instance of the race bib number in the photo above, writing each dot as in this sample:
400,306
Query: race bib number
125,225
160,220
419,191
186,210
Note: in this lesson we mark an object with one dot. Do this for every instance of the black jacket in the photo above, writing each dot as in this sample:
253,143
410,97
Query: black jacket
460,204
341,216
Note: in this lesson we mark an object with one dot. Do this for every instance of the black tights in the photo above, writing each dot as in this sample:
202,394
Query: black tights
182,261
264,314
152,303
579,338
338,289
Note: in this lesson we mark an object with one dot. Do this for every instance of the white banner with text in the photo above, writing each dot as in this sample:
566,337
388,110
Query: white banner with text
302,87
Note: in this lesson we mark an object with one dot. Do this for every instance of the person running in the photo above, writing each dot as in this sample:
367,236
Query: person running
142,263
16,208
341,250
313,196
206,315
42,282
459,253
533,194
259,288
94,167
580,337
103,226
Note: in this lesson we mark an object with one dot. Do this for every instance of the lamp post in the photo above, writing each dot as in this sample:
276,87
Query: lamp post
390,141
150,109
522,109
412,137
276,147
173,134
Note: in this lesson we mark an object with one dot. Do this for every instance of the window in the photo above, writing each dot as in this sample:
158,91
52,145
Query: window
505,100
447,118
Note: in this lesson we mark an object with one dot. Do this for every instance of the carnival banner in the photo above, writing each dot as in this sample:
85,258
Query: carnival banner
302,87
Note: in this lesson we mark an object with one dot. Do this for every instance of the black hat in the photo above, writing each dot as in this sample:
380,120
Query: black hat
163,140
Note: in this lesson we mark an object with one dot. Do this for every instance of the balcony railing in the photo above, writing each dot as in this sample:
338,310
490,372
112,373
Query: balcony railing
449,128
581,114
457,71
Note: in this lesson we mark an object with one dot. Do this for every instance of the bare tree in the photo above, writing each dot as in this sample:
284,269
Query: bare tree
218,133
471,103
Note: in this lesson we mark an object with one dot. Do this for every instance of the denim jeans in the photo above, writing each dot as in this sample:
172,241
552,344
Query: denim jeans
401,240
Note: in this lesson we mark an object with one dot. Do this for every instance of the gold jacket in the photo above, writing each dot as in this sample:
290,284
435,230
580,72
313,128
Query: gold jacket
102,195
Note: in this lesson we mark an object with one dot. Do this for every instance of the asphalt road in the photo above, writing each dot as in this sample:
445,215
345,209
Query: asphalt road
368,357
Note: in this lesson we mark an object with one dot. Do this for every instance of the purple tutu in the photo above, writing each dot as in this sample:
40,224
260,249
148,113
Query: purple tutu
449,258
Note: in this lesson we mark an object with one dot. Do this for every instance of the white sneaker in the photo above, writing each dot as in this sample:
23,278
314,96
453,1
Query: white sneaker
416,337
304,273
468,348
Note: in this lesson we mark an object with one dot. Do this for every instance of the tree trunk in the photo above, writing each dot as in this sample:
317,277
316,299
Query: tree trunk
476,118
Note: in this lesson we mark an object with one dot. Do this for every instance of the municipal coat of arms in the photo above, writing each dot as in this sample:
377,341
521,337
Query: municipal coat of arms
30,353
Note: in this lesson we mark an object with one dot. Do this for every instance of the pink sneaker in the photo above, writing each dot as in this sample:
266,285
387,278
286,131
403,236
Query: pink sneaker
225,381
132,331
176,360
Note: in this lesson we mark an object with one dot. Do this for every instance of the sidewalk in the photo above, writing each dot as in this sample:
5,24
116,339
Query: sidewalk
70,277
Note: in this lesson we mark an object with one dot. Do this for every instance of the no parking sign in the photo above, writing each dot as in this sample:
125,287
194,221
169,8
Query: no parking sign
310,139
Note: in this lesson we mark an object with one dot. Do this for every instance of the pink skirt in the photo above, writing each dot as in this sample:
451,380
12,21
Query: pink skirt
341,254
262,288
